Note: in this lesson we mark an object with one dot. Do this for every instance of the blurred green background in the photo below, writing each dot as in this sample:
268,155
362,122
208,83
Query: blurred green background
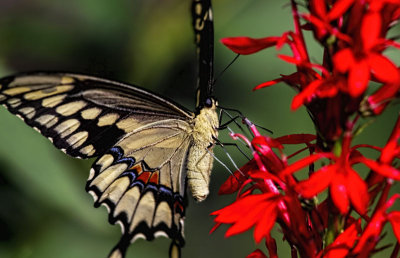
45,211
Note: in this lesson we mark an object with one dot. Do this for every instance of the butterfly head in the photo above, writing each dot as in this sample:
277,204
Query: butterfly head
208,103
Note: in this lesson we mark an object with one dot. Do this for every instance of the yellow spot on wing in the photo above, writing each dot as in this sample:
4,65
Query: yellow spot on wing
14,102
77,139
2,97
16,90
163,214
67,80
90,113
67,127
145,208
29,112
88,150
128,124
105,161
115,190
70,108
39,94
47,120
108,119
128,203
53,101
104,179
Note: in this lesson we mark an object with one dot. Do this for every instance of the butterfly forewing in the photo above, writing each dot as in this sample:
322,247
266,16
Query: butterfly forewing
82,115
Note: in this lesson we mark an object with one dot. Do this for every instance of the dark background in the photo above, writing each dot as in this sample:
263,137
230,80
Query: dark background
45,211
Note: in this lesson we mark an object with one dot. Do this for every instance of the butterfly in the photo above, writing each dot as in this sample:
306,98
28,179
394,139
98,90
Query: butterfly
148,148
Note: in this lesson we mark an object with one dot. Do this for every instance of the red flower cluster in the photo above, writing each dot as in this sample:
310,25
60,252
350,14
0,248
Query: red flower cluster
349,222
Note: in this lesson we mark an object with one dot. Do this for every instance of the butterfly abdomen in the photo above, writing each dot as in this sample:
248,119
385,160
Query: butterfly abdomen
200,159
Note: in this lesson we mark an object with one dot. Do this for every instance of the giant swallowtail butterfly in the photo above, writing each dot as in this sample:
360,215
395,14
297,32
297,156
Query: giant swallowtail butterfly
147,147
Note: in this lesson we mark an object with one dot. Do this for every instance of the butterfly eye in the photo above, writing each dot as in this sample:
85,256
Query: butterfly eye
208,103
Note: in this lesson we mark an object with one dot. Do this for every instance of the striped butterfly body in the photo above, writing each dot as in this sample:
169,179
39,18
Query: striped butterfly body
146,145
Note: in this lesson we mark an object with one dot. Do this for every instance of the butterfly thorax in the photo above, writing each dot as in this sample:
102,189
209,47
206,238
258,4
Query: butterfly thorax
200,159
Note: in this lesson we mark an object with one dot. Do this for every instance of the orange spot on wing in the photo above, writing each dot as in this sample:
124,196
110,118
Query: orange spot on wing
154,177
144,177
138,168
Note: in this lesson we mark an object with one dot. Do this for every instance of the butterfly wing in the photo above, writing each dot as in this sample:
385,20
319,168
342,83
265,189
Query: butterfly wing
140,138
82,115
141,180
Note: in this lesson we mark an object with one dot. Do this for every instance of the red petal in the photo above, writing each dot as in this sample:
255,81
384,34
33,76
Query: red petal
370,29
257,254
233,183
317,182
296,166
246,45
319,7
305,95
319,26
290,79
383,169
370,235
290,59
358,78
339,8
394,218
342,244
271,246
264,225
248,219
379,99
383,69
236,210
338,192
296,138
343,60
357,191
268,83
329,89
391,148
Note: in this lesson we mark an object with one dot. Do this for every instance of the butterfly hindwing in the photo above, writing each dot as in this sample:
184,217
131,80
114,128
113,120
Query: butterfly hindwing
141,180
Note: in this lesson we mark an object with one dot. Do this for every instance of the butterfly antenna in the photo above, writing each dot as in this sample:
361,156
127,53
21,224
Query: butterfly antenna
226,68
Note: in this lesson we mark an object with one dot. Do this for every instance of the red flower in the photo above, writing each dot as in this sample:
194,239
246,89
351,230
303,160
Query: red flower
352,34
345,185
